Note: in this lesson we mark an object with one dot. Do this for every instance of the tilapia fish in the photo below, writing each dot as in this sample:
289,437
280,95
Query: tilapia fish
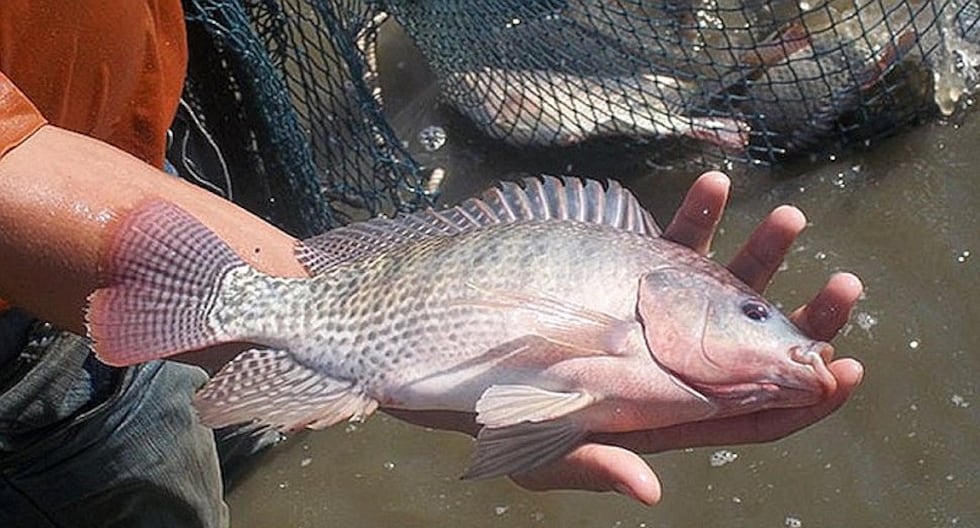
551,309
810,80
545,108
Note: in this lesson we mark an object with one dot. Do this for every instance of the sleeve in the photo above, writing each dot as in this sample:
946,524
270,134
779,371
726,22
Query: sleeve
18,117
110,69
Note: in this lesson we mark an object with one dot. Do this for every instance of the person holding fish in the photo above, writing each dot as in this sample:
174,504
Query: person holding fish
83,116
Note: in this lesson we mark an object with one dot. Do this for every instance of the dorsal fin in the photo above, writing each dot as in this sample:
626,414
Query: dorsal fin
541,198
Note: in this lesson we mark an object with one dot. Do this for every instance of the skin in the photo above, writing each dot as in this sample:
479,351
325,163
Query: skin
60,191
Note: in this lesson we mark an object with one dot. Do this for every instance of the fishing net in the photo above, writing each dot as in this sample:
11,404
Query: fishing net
747,79
288,90
281,113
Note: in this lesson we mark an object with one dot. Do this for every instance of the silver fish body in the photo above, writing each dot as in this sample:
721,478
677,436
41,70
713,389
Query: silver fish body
547,108
552,311
393,321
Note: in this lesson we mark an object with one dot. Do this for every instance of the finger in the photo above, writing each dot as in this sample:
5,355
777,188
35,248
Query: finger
765,249
597,467
829,311
695,221
763,426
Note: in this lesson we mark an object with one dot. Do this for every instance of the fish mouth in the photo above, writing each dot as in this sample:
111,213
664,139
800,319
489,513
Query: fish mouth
809,382
816,357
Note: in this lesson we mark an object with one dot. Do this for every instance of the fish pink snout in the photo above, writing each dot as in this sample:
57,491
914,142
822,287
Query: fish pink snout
817,356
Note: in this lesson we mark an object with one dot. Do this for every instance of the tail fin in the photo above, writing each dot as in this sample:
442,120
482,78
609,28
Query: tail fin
159,279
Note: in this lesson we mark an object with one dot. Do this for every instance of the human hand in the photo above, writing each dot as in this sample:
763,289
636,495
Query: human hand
609,461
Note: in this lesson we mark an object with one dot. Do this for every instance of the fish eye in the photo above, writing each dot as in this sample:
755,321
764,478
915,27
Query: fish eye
755,310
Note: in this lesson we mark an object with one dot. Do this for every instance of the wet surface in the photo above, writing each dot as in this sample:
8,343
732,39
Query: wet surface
905,452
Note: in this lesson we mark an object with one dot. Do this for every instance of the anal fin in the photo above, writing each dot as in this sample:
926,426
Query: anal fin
522,447
271,388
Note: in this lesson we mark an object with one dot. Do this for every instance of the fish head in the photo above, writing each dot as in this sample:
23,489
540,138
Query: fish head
721,341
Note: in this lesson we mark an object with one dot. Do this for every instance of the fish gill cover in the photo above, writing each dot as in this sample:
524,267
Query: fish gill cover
289,95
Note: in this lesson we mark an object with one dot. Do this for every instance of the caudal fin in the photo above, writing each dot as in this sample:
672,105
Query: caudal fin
159,279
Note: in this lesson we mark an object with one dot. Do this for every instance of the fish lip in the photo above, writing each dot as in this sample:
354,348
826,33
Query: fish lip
817,356
813,357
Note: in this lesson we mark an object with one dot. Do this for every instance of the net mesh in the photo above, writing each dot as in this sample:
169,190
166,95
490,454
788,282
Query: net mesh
288,89
742,79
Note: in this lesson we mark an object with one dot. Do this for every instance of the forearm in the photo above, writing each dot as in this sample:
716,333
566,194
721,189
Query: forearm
59,192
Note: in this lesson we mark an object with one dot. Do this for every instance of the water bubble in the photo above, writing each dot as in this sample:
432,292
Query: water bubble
963,256
914,344
722,457
389,465
820,255
792,522
865,321
432,138
305,462
840,181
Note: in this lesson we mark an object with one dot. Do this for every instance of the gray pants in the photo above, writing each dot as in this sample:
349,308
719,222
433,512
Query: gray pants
83,444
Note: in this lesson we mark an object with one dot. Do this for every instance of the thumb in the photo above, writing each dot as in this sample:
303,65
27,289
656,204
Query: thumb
597,467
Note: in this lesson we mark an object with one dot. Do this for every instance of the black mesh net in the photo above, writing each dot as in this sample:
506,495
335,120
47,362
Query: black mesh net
288,89
743,79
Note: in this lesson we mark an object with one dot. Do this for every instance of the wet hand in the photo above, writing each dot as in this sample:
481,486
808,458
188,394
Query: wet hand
611,462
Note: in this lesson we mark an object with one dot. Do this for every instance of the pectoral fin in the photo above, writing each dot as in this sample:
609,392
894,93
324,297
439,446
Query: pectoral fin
560,322
522,447
506,405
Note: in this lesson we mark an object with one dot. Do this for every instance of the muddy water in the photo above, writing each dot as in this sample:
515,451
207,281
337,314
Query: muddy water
905,452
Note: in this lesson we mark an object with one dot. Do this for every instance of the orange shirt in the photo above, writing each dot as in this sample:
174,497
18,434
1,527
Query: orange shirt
110,69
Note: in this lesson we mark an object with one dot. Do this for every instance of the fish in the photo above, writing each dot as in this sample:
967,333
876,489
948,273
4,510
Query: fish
544,108
551,308
806,81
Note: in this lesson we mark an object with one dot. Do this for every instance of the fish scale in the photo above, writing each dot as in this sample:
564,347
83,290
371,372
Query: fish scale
551,309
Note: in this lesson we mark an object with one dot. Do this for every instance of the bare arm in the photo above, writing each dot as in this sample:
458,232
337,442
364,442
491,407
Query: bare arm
58,193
